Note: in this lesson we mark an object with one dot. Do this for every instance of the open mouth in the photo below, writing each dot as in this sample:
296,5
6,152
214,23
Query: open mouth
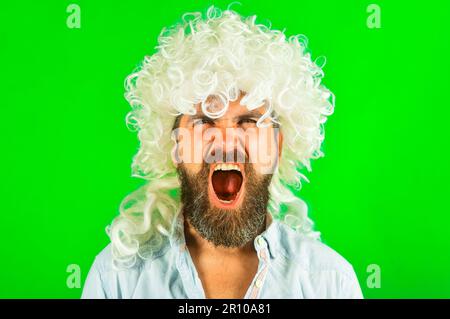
226,181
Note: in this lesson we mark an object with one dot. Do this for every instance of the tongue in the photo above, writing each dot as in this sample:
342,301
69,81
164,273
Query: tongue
226,184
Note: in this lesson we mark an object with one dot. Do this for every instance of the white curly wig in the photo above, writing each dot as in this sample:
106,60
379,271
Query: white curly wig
218,53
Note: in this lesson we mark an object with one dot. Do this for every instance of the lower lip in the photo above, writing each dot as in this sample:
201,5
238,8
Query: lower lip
224,204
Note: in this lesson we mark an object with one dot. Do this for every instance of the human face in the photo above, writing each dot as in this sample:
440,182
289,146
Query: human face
225,190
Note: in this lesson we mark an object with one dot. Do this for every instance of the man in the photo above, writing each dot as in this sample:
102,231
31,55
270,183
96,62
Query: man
228,112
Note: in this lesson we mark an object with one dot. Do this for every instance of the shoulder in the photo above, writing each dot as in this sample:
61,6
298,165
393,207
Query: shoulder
94,286
310,253
329,274
107,279
105,261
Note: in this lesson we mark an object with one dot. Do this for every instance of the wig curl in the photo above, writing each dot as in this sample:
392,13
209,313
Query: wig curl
218,53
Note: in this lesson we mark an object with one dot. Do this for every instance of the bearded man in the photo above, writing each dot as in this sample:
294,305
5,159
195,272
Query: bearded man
228,113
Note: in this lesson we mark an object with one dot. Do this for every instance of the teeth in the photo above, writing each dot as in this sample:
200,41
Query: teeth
226,167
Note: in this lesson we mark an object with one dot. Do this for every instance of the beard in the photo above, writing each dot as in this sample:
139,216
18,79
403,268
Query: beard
225,227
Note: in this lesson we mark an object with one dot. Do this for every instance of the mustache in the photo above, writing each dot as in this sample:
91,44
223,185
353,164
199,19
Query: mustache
218,155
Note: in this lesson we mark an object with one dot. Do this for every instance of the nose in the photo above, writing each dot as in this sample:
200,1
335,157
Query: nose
231,142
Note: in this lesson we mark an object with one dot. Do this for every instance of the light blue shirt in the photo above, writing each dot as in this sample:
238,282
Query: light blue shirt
290,266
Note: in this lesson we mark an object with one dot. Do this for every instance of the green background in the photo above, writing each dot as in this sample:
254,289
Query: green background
379,196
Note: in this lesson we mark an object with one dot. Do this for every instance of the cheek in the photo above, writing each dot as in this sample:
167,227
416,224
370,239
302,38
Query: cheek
194,163
188,147
193,168
263,151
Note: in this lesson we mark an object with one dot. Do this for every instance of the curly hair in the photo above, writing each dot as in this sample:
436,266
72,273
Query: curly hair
218,53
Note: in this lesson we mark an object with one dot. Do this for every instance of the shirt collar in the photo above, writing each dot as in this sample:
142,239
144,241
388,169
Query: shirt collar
269,236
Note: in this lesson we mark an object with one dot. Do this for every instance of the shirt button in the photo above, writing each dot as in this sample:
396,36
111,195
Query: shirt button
258,283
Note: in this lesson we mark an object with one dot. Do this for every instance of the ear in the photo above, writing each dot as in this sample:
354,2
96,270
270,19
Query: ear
280,143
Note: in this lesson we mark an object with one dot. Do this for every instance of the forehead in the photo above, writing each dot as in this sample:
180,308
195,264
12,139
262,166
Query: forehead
235,109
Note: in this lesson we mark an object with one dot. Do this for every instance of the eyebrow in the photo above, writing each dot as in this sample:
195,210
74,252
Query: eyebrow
251,114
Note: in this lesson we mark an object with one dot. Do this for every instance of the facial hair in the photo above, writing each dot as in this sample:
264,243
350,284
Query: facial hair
225,227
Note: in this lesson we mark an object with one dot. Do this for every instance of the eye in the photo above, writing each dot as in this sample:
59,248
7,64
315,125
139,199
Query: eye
247,121
203,121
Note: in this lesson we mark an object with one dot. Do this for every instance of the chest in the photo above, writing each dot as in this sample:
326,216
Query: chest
227,279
